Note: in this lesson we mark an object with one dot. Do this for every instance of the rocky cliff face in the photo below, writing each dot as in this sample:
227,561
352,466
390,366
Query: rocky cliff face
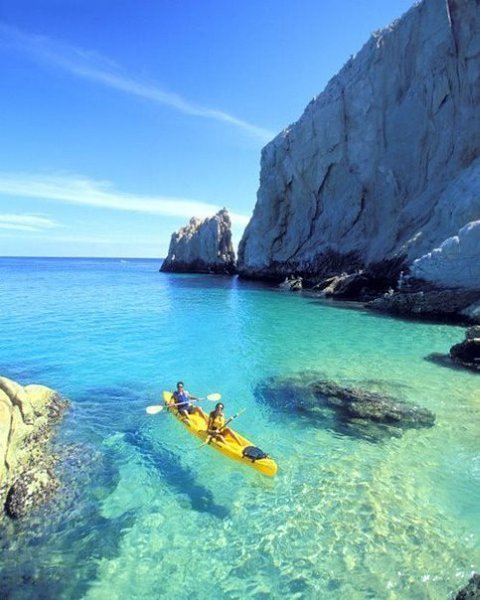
385,162
26,469
202,246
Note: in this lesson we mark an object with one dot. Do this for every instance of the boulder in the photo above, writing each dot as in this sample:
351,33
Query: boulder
27,418
292,283
348,409
467,353
472,590
455,263
384,163
443,305
202,246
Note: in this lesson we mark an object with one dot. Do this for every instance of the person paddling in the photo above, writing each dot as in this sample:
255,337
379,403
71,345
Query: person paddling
183,402
216,425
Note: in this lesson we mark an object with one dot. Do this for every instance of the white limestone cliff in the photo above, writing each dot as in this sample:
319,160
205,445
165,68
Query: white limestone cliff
202,246
385,161
455,263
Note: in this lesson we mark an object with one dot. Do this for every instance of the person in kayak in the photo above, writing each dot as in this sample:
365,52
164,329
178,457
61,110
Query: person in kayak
216,425
183,401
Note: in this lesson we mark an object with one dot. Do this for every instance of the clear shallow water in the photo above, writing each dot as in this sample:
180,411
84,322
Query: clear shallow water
145,514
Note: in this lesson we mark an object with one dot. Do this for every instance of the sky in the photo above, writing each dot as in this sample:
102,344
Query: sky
120,120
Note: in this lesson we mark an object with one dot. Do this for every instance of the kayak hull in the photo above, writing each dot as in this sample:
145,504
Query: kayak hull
197,426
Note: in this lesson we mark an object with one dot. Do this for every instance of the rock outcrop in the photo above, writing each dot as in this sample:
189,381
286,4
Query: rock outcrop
384,163
448,305
357,410
467,353
472,590
202,246
27,416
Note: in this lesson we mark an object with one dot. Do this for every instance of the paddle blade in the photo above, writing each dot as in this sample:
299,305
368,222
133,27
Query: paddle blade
215,397
153,410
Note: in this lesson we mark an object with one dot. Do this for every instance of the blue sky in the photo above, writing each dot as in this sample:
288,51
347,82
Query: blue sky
119,120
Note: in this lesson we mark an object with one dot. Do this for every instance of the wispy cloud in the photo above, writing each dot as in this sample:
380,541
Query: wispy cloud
90,65
71,189
25,222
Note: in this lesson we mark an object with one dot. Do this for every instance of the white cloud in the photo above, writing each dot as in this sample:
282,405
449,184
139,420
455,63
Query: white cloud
70,189
90,65
25,222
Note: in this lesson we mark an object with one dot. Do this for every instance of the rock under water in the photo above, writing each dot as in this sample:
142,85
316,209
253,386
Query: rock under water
355,408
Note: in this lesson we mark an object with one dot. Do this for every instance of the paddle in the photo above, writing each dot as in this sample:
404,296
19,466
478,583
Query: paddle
210,437
156,408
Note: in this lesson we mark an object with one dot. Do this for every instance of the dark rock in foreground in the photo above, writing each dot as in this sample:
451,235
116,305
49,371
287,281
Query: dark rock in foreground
472,590
202,246
357,411
467,353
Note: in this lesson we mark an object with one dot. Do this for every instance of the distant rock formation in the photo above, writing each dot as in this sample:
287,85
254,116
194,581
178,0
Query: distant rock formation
202,246
384,163
27,416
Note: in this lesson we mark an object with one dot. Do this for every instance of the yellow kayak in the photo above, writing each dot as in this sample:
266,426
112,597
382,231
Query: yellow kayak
197,426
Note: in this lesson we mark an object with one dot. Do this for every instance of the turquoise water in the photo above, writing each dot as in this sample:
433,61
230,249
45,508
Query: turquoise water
144,513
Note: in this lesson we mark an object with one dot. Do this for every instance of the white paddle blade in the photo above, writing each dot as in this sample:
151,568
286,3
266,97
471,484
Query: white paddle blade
215,397
153,410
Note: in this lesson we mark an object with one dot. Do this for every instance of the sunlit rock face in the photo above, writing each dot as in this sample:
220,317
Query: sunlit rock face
385,161
202,246
456,263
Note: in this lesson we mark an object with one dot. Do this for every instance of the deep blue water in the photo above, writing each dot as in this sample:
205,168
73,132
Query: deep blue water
355,511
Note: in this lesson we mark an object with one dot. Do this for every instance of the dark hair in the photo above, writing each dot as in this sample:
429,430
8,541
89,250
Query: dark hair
219,404
180,383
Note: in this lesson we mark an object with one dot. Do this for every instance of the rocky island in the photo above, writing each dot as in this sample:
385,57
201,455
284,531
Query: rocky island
202,246
27,418
380,176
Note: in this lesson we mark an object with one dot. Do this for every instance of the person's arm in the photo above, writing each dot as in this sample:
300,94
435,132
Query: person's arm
190,397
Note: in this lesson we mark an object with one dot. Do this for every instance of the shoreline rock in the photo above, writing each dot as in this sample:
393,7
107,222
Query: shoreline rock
467,353
28,416
202,246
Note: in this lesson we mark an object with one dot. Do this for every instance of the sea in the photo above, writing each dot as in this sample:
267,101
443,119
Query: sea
356,511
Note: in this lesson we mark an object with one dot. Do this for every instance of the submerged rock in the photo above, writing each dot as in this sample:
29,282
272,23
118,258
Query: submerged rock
467,353
202,246
358,411
472,590
27,418
383,163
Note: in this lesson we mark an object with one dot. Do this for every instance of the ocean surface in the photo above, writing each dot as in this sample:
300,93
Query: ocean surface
355,512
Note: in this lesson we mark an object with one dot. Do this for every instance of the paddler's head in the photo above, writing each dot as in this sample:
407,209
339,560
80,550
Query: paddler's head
180,386
219,407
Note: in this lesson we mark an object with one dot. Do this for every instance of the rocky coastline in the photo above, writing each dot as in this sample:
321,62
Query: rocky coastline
374,193
28,416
